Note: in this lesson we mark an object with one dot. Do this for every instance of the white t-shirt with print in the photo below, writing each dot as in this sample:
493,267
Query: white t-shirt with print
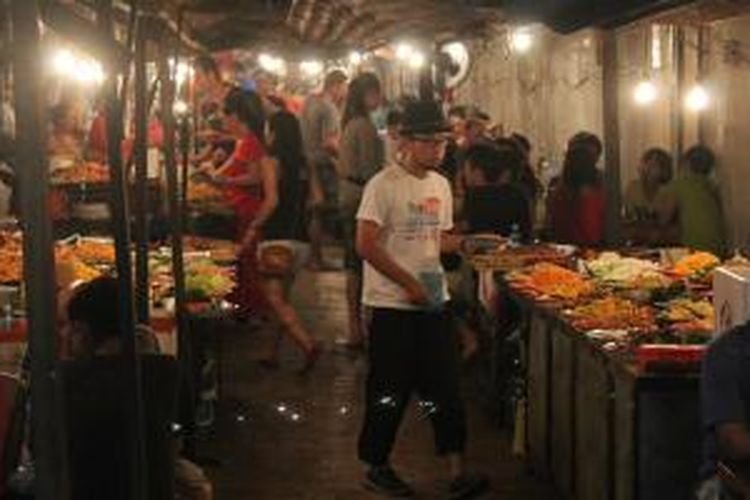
412,212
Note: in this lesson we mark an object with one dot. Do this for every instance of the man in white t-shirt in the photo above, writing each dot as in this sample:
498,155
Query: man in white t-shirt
403,226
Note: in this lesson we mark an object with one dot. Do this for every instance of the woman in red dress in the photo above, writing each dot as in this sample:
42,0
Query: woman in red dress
249,184
575,208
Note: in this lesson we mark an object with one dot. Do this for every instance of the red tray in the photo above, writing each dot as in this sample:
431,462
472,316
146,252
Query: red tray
669,357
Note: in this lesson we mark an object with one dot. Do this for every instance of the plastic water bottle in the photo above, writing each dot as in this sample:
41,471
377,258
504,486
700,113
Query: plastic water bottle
433,281
515,235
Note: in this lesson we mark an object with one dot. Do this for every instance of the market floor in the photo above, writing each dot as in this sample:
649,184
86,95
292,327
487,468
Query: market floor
283,437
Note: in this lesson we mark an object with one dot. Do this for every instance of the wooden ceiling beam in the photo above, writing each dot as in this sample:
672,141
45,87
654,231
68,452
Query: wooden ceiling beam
324,16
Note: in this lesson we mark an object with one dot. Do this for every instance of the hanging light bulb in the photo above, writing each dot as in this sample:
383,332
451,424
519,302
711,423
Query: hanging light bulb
88,71
64,62
404,51
521,40
645,93
181,70
180,108
417,60
355,58
270,63
697,98
311,68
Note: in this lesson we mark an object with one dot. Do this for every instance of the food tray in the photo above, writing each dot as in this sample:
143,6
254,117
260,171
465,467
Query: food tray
669,357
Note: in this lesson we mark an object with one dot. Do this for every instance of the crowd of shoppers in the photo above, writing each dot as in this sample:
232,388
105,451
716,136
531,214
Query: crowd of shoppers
403,201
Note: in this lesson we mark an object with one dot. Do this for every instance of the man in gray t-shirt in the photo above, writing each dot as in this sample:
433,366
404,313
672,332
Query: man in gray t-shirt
321,130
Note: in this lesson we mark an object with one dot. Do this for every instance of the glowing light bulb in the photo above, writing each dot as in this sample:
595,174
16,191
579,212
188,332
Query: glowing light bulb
521,40
404,51
355,58
182,72
270,63
417,60
64,62
88,71
180,108
311,68
645,93
697,99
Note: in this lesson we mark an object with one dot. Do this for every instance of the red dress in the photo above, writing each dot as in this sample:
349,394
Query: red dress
577,219
246,201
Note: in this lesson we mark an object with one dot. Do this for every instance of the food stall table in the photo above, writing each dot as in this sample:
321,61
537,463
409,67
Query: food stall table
657,434
13,338
598,425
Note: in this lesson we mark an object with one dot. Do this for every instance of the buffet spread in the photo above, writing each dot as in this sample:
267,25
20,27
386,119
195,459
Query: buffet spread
652,307
209,275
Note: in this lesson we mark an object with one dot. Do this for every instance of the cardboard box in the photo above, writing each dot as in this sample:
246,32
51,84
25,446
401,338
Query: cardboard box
731,297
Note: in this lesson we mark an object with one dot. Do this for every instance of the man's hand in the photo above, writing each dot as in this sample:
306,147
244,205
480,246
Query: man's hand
371,250
451,243
416,293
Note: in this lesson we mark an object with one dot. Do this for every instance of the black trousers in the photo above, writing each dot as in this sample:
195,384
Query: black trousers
412,352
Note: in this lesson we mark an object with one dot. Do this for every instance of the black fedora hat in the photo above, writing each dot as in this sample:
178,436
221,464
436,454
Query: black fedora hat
424,118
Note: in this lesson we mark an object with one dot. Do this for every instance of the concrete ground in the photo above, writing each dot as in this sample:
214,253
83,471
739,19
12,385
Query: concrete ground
282,437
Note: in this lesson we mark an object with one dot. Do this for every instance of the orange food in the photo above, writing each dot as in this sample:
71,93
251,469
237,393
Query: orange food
11,266
202,191
93,252
613,313
80,256
695,263
83,173
11,257
513,258
551,280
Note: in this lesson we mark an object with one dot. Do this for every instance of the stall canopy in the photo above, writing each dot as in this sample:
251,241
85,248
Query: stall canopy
329,26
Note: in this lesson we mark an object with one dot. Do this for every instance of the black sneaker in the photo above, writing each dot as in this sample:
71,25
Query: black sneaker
384,481
468,487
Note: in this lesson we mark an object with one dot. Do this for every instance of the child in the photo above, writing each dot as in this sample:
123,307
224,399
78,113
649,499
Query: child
494,204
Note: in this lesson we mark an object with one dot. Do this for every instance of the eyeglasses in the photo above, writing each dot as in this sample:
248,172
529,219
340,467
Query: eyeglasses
435,141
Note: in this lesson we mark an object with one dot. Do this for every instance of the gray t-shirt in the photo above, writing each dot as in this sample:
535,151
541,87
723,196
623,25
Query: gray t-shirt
362,155
362,150
319,119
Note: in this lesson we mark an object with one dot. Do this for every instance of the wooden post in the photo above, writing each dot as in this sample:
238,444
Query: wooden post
38,253
178,265
121,230
610,107
140,151
678,114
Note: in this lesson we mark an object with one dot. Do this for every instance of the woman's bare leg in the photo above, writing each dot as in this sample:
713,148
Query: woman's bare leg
274,291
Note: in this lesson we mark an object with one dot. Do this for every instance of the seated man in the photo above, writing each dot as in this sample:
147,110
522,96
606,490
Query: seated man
93,331
725,387
92,322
